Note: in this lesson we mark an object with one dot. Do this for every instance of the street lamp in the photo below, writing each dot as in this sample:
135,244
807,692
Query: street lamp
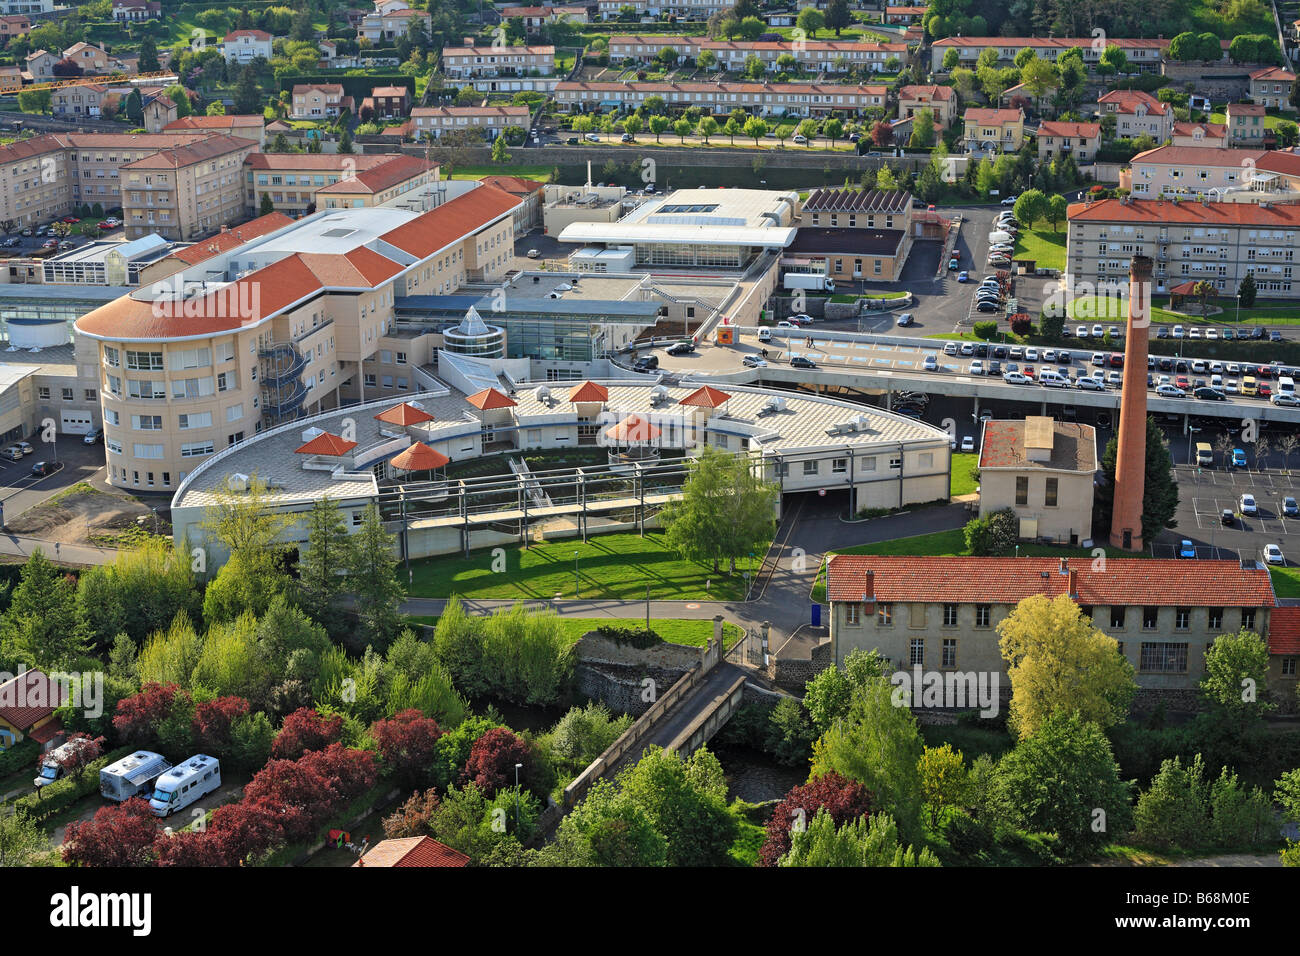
1239,308
518,766
575,574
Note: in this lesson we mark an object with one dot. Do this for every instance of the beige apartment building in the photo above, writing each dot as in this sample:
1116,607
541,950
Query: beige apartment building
1271,87
940,100
293,179
1212,135
831,56
759,99
1218,242
434,121
1255,175
470,61
1137,114
1058,139
186,192
378,185
942,613
993,130
1043,470
318,101
1144,55
271,329
250,127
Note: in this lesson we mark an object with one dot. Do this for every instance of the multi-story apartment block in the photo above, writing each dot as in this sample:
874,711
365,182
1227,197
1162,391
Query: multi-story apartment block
856,234
939,100
942,613
251,127
470,61
435,121
13,26
244,46
1200,134
1216,242
1137,114
1271,87
390,20
993,130
276,328
760,99
292,180
1057,139
1247,125
224,241
27,7
833,56
1252,175
1144,55
379,185
680,9
186,192
318,101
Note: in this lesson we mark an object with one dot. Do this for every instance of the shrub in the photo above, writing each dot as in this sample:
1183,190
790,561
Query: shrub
843,799
639,637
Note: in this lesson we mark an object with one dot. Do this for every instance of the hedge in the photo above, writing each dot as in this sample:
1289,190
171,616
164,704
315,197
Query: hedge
639,637
18,756
60,795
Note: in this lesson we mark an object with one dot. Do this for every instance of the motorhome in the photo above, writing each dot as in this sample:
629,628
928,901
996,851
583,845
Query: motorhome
52,761
131,776
184,783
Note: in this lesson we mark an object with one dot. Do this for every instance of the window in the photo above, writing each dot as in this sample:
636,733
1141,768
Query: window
1049,494
1182,618
369,379
43,393
950,615
1163,658
983,614
195,420
1215,618
810,467
1248,618
1150,616
949,652
227,381
1022,490
196,449
1289,666
839,466
916,650
67,394
925,460
235,412
884,615
89,394
853,614
1117,617
147,451
146,423
137,388
144,361
191,387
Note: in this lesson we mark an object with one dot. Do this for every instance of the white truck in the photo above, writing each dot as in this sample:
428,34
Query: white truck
184,783
814,281
131,776
52,768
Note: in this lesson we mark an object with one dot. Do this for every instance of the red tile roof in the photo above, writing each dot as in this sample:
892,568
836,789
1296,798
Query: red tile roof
178,157
28,698
1085,130
993,117
412,851
46,732
253,34
1059,43
936,93
1246,109
1279,73
1125,581
589,392
419,457
326,444
515,185
1277,215
1284,630
1127,101
706,397
232,238
398,169
490,398
404,414
440,227
1211,130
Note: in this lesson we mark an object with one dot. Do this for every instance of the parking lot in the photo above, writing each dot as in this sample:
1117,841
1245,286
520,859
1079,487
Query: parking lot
1205,493
73,461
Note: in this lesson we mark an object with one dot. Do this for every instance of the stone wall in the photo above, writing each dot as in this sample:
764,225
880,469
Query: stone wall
1231,81
793,673
615,672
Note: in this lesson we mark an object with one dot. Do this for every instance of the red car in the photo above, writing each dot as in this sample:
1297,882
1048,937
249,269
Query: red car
70,220
1263,390
1265,371
1181,382
1116,360
105,226
1027,371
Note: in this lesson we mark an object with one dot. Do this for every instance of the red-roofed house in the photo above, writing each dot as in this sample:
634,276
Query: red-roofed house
942,613
1137,114
136,10
1271,87
1080,140
940,100
1044,472
1284,654
315,101
390,102
1247,125
994,130
27,705
378,184
244,46
411,851
1214,135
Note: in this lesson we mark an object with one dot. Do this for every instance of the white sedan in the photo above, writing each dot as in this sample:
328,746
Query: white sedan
1015,378
802,319
1247,505
968,443
1090,384
1273,554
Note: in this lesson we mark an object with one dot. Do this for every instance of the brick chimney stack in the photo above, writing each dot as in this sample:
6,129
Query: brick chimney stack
1130,462
1074,583
869,588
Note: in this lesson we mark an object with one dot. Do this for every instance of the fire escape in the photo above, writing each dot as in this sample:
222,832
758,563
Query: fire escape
283,392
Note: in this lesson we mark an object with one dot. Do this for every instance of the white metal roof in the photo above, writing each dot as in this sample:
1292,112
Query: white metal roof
773,237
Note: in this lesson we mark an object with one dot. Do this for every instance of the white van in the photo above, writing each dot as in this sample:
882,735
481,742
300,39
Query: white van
765,334
134,774
52,767
1286,385
184,783
1052,379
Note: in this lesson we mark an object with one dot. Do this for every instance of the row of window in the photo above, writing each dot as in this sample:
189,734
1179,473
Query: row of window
984,616
66,394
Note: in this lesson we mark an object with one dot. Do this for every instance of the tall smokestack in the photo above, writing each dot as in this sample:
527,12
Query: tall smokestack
1131,459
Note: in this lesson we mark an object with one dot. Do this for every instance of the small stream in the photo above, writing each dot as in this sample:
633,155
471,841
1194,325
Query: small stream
755,777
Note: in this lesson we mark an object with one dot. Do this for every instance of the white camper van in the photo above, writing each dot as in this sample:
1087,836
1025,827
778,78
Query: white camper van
51,768
131,776
184,783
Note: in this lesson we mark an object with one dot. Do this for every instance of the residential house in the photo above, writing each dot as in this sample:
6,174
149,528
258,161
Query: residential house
245,46
993,130
411,851
318,101
1137,113
942,613
40,65
1247,125
390,20
904,16
81,100
11,79
390,102
27,705
1284,655
855,234
940,100
90,58
1213,135
1080,140
159,111
1271,87
697,10
379,184
250,126
136,10
1045,472
435,121
15,25
1144,55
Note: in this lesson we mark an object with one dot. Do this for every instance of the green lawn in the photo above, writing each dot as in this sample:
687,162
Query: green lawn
541,174
1103,308
610,566
962,482
1286,581
1045,247
672,630
1271,118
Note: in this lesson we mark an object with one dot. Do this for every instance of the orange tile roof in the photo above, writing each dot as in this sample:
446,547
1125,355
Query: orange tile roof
440,227
398,169
404,414
490,398
706,397
1127,101
515,185
589,392
46,732
1212,130
1085,130
1125,581
326,444
788,89
232,238
634,428
29,697
1284,630
937,93
1279,73
1059,43
224,121
177,157
412,851
419,457
331,162
1246,109
993,117
1277,215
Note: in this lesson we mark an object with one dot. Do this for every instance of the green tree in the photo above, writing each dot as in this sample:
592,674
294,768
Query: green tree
922,129
708,126
266,206
500,154
838,15
732,128
726,509
248,581
44,627
945,781
321,568
345,145
1236,673
607,828
1057,210
870,840
1030,207
22,842
1160,491
685,802
148,55
950,59
682,128
1039,76
810,20
1058,662
834,129
632,125
1246,291
1114,58
657,125
886,181
248,94
828,695
135,106
754,67
1064,780
372,578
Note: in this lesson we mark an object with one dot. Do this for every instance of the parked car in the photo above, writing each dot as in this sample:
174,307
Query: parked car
1290,508
1238,458
1247,505
1227,518
986,306
905,319
93,436
43,468
1170,391
681,348
963,277
1015,378
931,364
534,254
968,443
800,362
1273,554
1186,549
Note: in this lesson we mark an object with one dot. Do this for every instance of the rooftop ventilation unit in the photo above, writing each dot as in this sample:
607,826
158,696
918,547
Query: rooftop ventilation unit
658,395
309,433
542,394
237,482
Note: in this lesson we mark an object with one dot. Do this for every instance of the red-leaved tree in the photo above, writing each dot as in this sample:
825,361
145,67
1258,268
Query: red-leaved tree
120,835
305,730
842,798
407,744
74,759
212,722
413,817
138,717
492,759
346,773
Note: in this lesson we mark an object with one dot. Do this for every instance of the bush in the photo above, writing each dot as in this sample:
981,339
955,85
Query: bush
1021,324
987,330
19,756
61,794
639,637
